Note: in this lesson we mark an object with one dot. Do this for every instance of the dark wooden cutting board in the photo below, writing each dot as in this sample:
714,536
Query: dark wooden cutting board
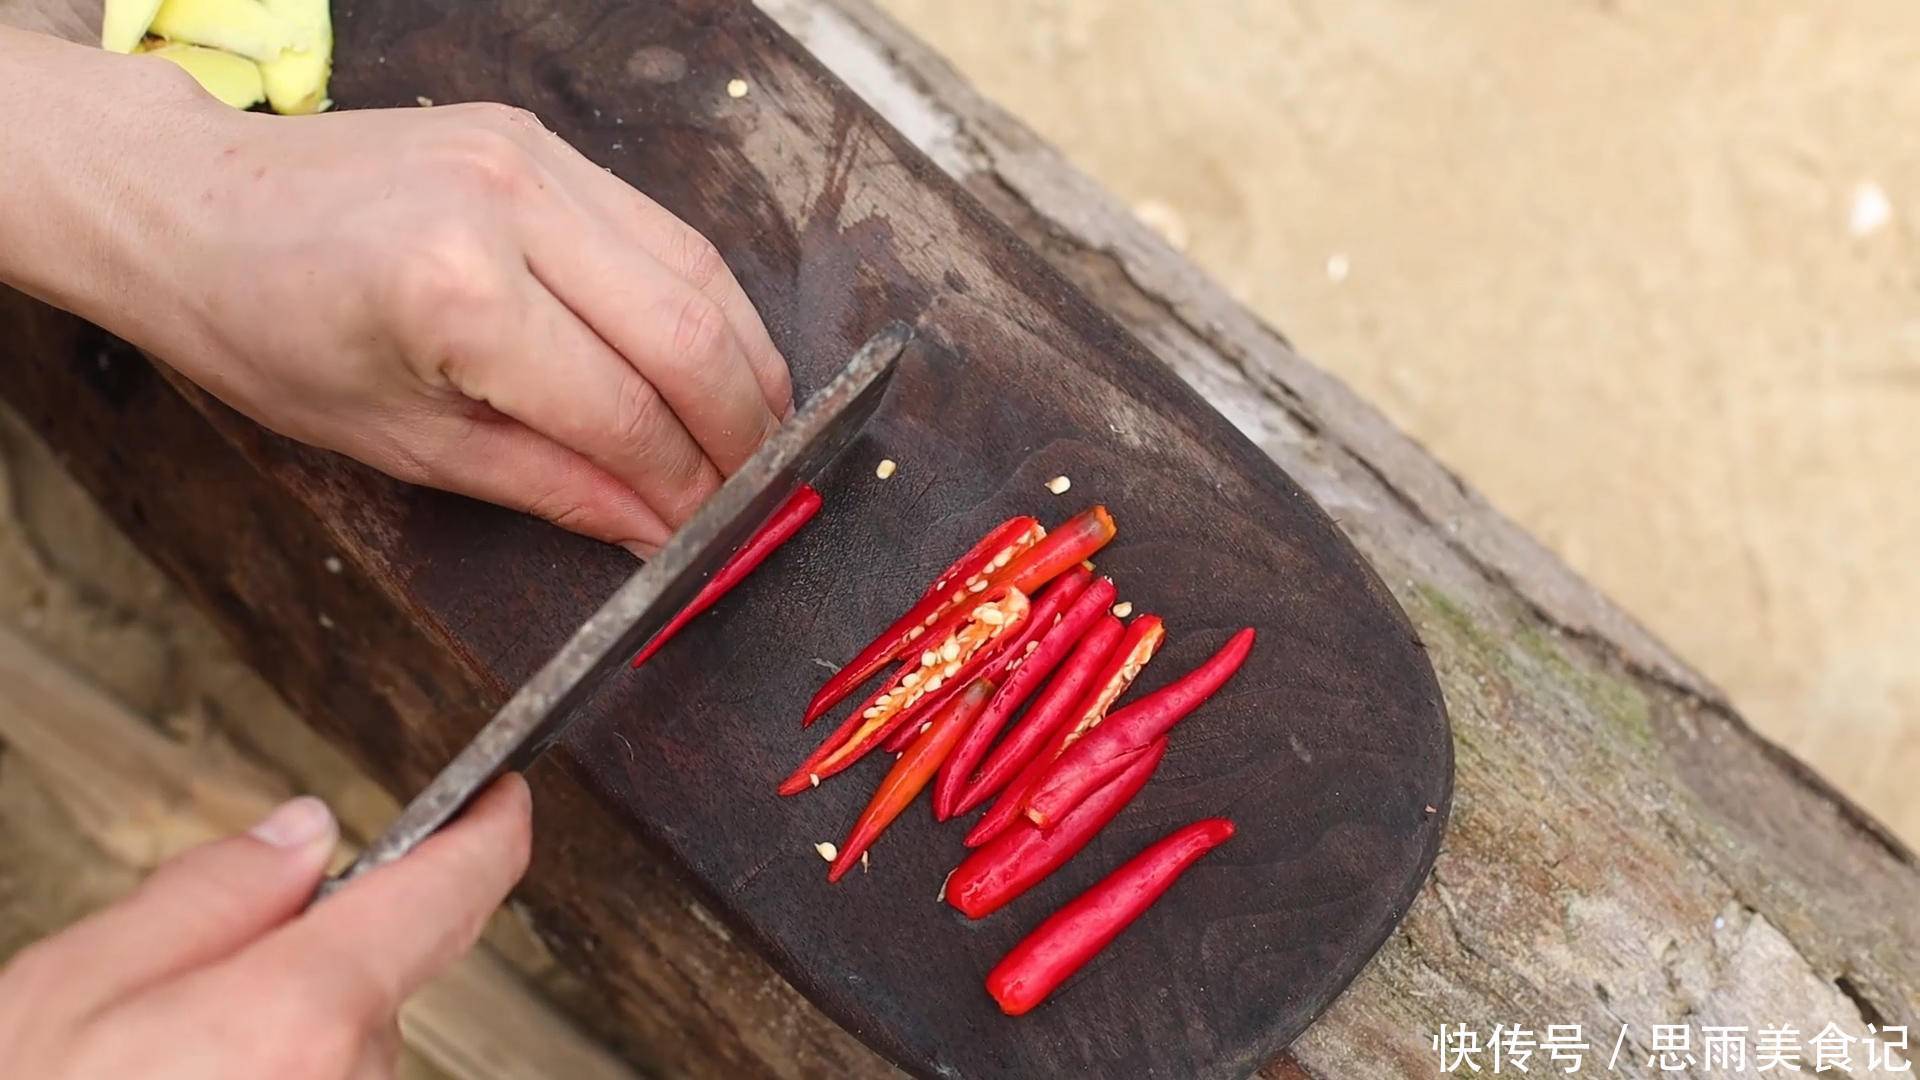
1330,749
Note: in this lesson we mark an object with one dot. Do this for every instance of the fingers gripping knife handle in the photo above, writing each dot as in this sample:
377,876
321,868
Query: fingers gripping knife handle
539,711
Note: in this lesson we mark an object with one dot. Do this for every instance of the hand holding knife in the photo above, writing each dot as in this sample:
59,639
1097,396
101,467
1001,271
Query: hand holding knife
540,710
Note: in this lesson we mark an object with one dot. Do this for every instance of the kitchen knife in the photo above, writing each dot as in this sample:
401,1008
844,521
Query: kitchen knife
540,710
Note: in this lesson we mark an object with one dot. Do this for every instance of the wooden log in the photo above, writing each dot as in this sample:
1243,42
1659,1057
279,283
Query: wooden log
1625,849
140,797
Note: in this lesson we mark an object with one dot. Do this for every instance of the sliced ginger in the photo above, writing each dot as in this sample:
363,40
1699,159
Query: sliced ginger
296,82
241,51
124,22
245,27
233,79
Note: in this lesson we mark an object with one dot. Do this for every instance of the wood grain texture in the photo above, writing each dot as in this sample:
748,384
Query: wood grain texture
1624,849
1330,748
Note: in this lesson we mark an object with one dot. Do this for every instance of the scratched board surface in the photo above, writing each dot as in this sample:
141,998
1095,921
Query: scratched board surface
1328,748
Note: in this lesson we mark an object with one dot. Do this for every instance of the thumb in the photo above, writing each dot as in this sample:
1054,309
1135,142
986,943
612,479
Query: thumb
205,903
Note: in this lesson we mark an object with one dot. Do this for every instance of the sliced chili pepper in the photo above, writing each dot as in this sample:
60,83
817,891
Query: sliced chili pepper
1008,657
903,735
1052,710
1073,542
1094,759
996,550
1046,612
1077,932
1047,647
1022,856
912,772
957,650
1024,560
786,521
1143,638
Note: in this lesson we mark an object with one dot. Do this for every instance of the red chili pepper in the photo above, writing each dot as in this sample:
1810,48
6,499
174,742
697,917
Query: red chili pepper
1053,709
1071,543
911,773
795,512
1048,646
1143,637
1077,932
957,650
1021,857
1046,612
1010,537
1018,555
1095,758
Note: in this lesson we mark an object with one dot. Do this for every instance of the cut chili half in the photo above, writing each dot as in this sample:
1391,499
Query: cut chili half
1093,760
1019,554
1047,647
785,522
1051,711
910,774
1009,656
1073,542
1142,640
1077,932
994,551
1022,856
953,652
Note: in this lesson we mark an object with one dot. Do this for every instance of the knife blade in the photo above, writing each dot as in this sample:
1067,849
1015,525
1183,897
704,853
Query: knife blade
536,715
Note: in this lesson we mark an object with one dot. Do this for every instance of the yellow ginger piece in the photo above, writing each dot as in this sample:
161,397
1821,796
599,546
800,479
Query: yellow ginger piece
233,79
296,82
245,27
124,22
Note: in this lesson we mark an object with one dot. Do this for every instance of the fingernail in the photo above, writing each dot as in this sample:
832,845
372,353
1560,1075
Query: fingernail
294,823
641,549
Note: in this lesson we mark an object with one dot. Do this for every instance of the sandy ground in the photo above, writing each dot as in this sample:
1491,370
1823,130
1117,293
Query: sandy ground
1643,273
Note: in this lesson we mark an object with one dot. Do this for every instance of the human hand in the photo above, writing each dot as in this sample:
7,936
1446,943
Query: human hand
452,295
211,970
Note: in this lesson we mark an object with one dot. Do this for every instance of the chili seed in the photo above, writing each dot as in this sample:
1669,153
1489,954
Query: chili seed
813,778
1123,609
978,585
885,468
737,88
827,850
1059,485
992,616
